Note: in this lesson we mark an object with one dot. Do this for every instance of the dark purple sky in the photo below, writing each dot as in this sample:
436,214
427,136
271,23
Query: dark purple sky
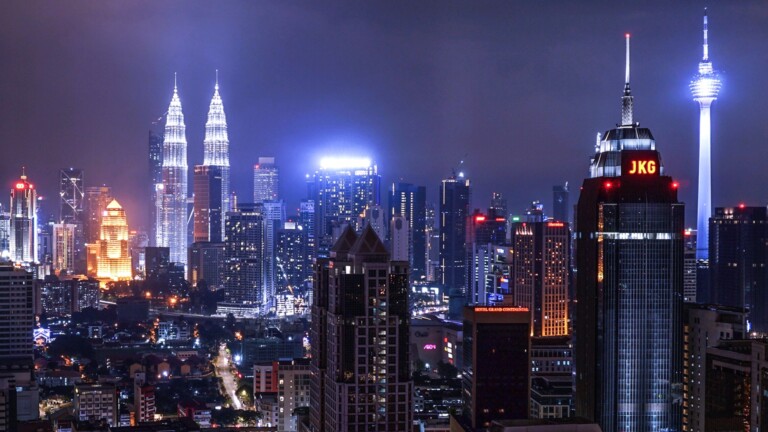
516,89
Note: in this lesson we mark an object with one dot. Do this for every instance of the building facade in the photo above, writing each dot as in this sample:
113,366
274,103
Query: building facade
172,228
629,286
360,328
23,222
216,154
265,180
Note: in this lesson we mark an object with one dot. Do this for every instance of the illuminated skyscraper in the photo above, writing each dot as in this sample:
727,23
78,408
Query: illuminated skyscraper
705,86
361,377
274,217
207,185
629,287
64,247
454,210
96,200
244,255
172,231
216,152
155,181
539,275
114,260
409,201
23,241
737,264
72,194
342,189
265,180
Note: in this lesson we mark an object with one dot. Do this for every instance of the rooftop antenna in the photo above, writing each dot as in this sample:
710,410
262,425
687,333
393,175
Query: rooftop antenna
706,37
216,87
627,118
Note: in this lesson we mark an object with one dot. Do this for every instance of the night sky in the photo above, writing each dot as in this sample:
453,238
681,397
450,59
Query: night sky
515,89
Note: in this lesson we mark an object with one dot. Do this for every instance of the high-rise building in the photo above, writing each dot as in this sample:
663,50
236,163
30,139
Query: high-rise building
172,231
274,218
64,247
488,273
16,314
265,180
287,381
539,276
5,233
399,238
454,210
737,373
206,262
375,217
216,154
738,257
23,242
629,286
551,377
561,209
705,327
72,194
497,365
114,259
290,257
244,255
17,319
432,234
155,160
689,277
307,222
207,207
96,200
498,207
705,87
360,357
342,189
409,201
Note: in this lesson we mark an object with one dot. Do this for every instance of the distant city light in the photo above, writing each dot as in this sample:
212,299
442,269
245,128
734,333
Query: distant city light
344,162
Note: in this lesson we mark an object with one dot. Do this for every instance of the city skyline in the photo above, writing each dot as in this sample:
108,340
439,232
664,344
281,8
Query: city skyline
525,79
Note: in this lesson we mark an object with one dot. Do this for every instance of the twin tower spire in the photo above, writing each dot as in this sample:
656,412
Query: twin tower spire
216,142
174,198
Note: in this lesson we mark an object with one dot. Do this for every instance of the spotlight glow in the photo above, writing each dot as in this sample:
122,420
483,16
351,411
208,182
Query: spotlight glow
344,162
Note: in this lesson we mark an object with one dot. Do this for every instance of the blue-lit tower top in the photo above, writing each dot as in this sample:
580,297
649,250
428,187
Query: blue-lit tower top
704,87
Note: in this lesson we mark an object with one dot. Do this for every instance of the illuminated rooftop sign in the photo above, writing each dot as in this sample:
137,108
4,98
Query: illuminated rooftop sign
500,309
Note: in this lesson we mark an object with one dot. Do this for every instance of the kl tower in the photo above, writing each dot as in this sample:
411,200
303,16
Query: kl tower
704,87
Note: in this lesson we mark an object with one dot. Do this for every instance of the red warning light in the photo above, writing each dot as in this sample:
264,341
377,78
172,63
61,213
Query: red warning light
741,206
675,185
19,185
480,218
608,185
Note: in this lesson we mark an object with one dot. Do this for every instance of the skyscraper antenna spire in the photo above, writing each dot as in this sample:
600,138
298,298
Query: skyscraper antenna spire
627,118
216,87
175,89
626,73
706,37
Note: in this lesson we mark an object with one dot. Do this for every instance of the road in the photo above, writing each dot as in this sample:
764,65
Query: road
230,381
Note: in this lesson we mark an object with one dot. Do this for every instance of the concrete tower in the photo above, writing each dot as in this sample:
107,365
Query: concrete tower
705,86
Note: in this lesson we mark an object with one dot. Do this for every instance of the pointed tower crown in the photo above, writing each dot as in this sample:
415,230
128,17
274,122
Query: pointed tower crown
627,101
175,138
216,143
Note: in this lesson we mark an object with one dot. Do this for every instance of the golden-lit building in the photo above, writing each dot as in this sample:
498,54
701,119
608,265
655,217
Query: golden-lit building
113,261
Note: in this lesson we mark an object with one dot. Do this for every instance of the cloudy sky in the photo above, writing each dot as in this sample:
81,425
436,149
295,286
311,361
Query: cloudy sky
516,89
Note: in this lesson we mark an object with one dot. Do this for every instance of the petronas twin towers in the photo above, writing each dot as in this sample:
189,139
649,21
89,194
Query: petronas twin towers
172,231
